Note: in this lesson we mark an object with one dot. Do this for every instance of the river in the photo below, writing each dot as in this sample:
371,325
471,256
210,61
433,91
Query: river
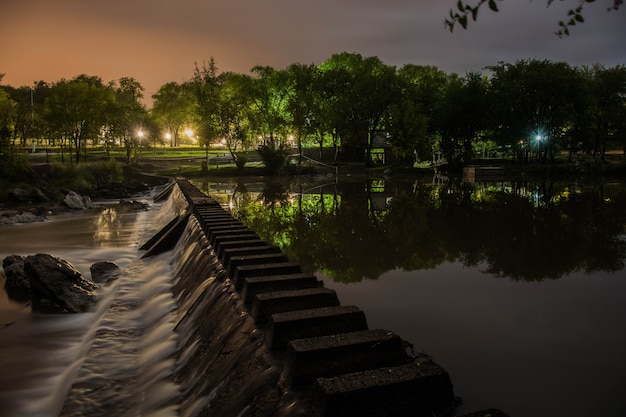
517,288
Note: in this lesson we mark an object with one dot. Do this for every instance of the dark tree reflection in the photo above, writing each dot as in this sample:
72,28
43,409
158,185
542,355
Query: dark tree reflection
519,230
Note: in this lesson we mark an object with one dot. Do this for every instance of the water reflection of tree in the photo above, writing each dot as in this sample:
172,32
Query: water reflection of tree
522,231
107,227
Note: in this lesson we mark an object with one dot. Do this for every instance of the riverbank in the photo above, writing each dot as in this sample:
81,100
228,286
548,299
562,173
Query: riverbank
44,192
40,190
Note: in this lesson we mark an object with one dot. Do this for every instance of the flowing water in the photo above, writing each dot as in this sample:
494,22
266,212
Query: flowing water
123,342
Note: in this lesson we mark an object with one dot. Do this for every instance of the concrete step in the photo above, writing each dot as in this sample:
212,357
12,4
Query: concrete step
245,251
273,283
257,259
216,237
249,271
420,388
239,241
268,303
302,324
309,359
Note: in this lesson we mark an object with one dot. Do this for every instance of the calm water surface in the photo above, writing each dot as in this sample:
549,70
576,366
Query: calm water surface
518,289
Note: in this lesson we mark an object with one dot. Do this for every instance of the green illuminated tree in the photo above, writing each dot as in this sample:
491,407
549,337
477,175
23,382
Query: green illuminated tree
301,101
174,108
269,90
76,109
366,89
232,121
127,116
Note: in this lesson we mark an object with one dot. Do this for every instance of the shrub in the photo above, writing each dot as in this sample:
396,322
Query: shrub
275,159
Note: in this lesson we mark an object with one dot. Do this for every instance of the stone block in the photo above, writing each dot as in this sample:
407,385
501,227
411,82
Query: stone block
243,251
302,324
256,259
248,271
242,241
309,359
420,388
273,283
268,303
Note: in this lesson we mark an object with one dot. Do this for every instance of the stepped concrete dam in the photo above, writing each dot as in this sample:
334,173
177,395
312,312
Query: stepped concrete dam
258,336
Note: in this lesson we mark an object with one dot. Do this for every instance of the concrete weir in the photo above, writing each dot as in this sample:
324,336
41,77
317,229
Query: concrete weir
261,337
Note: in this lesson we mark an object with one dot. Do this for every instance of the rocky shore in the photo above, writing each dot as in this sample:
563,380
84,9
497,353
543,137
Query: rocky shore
33,204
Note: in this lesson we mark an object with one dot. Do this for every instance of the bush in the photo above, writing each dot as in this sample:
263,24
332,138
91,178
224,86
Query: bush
85,178
275,160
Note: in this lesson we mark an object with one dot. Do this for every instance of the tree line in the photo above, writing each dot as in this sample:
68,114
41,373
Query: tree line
527,110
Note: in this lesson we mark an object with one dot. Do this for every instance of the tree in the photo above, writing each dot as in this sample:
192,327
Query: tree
465,115
269,91
127,116
532,105
426,87
407,127
232,123
301,101
8,113
466,11
174,107
601,115
369,89
206,87
76,109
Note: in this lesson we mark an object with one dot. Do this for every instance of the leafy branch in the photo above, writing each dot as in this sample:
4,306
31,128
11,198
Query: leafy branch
464,12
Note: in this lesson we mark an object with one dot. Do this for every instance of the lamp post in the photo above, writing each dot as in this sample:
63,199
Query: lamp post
140,136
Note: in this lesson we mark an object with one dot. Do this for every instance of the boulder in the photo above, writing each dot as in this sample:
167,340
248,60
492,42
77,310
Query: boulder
17,284
23,195
104,272
74,200
56,283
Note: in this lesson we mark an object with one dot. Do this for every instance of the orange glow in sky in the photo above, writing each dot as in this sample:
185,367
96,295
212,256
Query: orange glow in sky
158,41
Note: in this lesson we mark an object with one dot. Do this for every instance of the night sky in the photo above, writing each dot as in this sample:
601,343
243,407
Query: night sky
157,41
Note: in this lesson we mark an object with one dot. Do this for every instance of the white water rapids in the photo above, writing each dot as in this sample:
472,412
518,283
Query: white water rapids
112,360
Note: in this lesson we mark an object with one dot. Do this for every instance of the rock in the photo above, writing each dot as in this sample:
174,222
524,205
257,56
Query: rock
104,272
57,283
74,200
22,217
134,205
23,195
19,194
17,284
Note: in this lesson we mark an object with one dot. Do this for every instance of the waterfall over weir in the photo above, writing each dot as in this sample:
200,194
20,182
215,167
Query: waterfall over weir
212,321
